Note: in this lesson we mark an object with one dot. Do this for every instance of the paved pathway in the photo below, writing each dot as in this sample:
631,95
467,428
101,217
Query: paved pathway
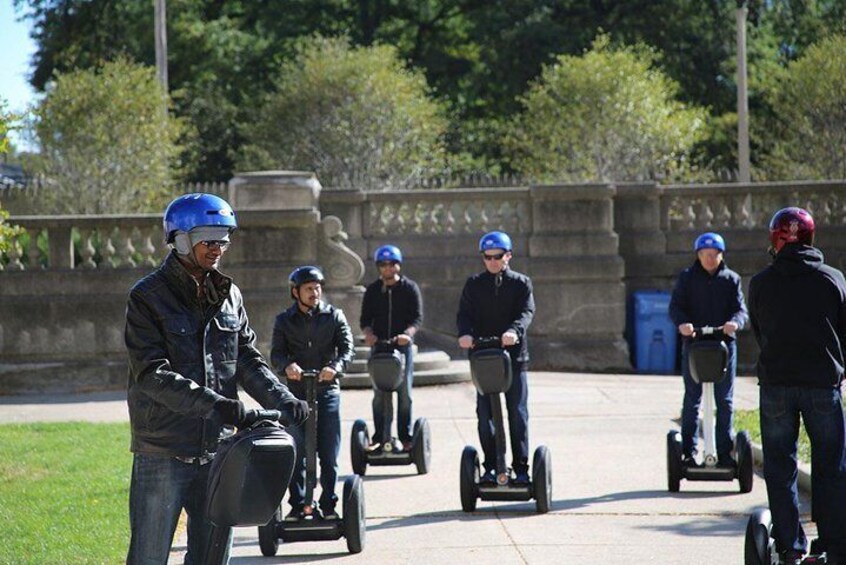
611,505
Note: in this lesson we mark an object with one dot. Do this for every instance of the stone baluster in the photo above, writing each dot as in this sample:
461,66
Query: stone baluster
429,224
148,250
33,251
14,254
86,248
704,216
722,219
107,250
449,221
127,250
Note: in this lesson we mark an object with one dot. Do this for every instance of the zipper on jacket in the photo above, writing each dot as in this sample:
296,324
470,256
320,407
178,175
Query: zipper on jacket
390,310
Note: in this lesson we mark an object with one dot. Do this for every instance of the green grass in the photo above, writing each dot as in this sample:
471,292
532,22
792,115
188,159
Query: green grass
64,491
750,420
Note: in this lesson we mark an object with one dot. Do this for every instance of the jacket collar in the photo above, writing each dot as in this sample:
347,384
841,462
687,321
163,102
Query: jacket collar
178,276
322,308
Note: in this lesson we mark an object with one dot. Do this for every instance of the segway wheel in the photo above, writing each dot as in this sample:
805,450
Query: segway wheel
745,464
355,520
758,545
268,540
359,440
469,478
542,478
422,442
674,461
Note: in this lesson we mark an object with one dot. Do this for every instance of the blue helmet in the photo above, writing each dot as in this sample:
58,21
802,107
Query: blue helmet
495,240
710,240
388,253
197,209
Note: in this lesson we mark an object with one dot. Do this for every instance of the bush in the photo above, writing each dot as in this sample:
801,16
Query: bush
107,143
608,115
355,116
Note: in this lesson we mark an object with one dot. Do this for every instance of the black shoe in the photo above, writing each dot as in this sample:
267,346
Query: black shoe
689,461
295,515
727,462
329,512
791,557
489,478
521,478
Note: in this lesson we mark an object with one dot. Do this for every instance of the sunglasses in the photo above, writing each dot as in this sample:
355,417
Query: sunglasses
386,263
496,257
215,244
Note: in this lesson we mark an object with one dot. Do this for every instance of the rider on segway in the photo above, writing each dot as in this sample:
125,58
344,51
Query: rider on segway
312,335
708,293
392,311
499,302
798,310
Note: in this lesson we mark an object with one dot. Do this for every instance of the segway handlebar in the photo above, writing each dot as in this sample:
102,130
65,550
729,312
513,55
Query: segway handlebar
256,415
707,331
486,342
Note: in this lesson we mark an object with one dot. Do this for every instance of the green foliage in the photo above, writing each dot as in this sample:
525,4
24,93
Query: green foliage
807,132
356,116
107,143
609,115
7,232
64,492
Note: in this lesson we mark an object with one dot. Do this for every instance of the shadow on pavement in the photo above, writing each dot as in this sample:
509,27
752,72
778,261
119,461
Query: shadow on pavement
75,398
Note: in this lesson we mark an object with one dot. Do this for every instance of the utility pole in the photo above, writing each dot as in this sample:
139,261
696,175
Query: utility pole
160,24
743,164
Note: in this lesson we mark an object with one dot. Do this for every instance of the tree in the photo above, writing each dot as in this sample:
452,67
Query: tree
106,142
355,116
609,115
7,232
808,132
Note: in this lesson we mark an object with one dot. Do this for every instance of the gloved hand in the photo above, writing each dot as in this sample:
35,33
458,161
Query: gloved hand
294,411
231,411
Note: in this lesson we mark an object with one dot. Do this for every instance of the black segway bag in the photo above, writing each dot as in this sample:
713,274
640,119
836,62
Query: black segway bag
491,370
249,475
386,369
708,360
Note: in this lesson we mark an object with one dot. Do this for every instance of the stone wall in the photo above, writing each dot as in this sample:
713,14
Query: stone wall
587,248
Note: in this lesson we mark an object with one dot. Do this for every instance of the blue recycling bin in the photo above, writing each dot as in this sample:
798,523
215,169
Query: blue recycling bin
655,336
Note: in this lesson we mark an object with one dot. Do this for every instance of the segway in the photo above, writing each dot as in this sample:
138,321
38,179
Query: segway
490,369
247,478
312,526
386,367
708,361
759,546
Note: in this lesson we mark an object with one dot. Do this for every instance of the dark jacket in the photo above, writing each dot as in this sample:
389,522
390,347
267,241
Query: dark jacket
392,310
492,304
798,311
321,338
184,355
702,299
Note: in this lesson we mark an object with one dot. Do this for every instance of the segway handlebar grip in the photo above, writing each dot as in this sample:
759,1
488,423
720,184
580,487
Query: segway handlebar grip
254,415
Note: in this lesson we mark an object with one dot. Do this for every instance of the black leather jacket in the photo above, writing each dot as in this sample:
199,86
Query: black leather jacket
315,340
184,355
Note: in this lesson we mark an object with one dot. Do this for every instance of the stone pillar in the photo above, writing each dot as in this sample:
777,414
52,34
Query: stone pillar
578,280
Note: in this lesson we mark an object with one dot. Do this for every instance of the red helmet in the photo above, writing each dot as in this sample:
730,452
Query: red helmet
791,225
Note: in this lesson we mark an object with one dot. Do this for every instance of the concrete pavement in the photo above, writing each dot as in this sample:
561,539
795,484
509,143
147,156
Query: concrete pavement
610,500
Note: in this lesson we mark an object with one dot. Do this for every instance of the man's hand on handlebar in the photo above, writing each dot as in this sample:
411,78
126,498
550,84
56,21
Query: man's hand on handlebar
403,339
327,374
294,372
729,328
465,341
370,339
508,339
686,330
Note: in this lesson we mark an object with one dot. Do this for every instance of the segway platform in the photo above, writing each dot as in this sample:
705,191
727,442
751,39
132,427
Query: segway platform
386,366
708,362
760,548
312,526
490,369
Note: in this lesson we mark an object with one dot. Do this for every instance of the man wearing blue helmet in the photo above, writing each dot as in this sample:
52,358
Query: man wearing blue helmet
190,346
500,302
392,310
708,293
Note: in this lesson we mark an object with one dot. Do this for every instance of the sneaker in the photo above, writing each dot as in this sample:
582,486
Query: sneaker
521,478
295,515
489,478
791,557
374,447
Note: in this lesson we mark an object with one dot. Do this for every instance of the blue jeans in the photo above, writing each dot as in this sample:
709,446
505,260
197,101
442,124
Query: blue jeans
517,404
723,401
161,487
328,447
822,414
383,404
